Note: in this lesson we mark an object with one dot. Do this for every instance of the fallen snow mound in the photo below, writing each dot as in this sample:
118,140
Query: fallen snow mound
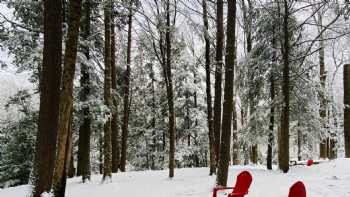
328,179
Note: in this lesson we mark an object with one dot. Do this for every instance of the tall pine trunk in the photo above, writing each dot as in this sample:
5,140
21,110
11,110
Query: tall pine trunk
224,158
247,14
323,102
272,122
114,123
50,79
272,108
283,149
70,169
126,98
212,165
235,143
154,111
107,145
170,92
299,140
83,167
218,75
347,110
66,99
254,154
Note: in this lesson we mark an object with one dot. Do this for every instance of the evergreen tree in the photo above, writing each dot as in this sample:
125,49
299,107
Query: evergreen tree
17,141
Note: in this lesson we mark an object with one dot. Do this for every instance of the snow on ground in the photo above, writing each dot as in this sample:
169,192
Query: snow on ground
329,179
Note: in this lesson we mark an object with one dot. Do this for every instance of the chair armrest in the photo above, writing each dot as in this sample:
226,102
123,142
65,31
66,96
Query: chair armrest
238,194
216,189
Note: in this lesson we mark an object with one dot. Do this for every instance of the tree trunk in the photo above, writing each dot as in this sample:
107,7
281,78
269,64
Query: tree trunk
245,145
235,143
154,134
283,149
170,93
212,165
66,99
224,159
347,110
272,122
83,167
107,146
272,108
323,149
327,146
247,15
71,169
299,138
218,75
114,123
126,99
187,118
100,151
323,102
333,149
254,154
50,79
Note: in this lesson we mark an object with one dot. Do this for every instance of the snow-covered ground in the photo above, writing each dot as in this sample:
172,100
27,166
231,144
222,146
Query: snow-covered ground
329,179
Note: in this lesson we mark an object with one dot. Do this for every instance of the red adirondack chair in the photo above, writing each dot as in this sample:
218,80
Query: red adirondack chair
297,190
244,179
310,162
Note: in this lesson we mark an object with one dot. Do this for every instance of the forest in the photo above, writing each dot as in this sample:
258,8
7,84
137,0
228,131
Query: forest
108,87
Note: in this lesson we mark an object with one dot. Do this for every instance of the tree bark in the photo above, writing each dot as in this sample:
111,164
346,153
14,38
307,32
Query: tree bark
347,110
114,123
272,108
126,99
245,145
170,93
252,103
50,79
224,158
70,164
212,165
254,154
283,149
324,149
235,143
218,76
299,138
71,171
272,122
66,100
333,149
83,167
154,134
107,146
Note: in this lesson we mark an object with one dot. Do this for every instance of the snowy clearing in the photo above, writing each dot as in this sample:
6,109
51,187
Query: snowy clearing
323,180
